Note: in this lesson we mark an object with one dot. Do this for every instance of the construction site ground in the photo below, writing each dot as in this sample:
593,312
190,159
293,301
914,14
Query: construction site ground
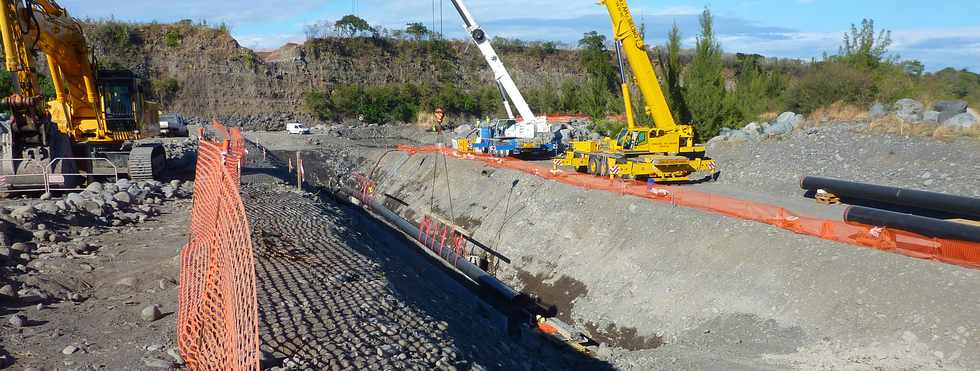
672,288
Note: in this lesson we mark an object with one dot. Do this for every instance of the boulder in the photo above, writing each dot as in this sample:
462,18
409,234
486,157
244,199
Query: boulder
92,207
94,187
878,111
785,124
123,183
961,121
954,106
151,313
753,128
124,198
74,200
48,208
23,212
463,130
909,110
931,117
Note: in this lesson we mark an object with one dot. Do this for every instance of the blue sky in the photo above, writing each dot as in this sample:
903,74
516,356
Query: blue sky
943,33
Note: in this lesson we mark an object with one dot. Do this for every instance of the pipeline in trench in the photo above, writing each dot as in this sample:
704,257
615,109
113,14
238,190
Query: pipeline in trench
445,243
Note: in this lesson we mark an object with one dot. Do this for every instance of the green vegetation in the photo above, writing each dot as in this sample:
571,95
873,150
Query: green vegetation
417,30
704,86
172,37
351,25
670,60
398,102
165,90
607,128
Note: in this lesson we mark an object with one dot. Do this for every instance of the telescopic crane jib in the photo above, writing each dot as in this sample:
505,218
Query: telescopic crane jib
506,84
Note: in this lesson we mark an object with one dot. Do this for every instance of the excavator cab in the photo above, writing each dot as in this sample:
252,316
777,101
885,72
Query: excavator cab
121,93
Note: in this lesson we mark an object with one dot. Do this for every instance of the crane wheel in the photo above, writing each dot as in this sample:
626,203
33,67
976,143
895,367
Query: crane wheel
604,166
593,166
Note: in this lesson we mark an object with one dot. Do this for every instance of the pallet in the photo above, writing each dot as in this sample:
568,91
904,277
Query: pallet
826,198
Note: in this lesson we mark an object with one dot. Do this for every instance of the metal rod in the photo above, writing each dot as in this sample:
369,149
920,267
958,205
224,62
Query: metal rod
913,223
966,207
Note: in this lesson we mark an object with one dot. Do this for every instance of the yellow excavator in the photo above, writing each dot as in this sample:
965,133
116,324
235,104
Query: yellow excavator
90,127
666,152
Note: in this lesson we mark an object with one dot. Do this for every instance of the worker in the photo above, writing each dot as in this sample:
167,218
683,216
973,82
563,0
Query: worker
440,117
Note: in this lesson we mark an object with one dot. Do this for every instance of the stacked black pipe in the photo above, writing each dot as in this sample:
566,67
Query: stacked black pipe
908,201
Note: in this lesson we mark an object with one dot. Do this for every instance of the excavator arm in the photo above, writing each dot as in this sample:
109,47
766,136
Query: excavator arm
78,109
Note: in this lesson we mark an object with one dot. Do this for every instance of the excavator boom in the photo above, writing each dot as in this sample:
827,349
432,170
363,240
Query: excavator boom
94,116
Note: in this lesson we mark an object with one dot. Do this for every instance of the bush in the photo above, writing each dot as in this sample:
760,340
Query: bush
172,37
607,128
830,82
166,90
318,103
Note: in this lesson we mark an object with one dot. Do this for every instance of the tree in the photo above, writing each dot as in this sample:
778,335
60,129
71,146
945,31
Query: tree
863,47
417,29
670,59
352,25
913,68
704,82
318,103
318,30
595,60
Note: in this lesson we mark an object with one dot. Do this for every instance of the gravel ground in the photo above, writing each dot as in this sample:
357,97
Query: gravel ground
671,288
84,311
847,151
338,290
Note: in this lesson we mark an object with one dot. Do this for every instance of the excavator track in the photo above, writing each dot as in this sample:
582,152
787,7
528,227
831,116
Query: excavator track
146,162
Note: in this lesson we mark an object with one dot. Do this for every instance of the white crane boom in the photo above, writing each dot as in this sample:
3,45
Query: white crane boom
531,122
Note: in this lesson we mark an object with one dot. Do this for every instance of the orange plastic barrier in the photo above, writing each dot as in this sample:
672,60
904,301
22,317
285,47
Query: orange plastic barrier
962,253
217,323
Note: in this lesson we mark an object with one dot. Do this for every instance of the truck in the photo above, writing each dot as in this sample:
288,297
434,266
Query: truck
666,152
512,136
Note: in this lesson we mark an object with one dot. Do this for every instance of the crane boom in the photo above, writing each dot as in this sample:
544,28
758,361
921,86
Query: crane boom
500,73
630,43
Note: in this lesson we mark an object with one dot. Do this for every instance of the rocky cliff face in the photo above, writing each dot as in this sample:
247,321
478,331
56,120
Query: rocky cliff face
208,74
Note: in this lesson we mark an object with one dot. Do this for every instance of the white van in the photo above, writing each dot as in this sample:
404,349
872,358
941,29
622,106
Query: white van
297,128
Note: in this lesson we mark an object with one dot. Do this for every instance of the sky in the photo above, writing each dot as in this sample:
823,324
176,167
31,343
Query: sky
942,33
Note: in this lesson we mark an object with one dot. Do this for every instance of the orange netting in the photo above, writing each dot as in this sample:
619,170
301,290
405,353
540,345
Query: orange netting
961,253
217,324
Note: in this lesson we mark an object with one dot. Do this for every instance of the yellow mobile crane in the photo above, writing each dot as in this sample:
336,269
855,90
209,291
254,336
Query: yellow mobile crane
664,153
90,126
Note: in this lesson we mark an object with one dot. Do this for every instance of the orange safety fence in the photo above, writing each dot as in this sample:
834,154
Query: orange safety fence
962,253
217,315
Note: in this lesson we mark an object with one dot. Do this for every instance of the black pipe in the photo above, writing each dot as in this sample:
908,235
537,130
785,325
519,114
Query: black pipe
461,264
913,223
956,206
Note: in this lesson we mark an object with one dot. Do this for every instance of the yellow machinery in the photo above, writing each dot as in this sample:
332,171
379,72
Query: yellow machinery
90,126
664,153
